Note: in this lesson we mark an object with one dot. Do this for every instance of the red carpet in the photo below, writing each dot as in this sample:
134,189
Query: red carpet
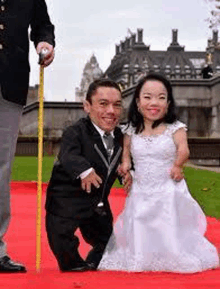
21,246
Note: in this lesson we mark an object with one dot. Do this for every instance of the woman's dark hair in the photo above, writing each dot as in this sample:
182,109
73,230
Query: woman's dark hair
136,119
103,82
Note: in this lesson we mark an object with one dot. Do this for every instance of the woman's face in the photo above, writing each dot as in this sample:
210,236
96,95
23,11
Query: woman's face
153,100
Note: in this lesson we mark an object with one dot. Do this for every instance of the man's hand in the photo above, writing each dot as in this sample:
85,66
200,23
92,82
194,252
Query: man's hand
91,179
127,181
50,54
176,173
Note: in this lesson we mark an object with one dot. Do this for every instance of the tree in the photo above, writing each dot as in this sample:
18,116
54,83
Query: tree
214,11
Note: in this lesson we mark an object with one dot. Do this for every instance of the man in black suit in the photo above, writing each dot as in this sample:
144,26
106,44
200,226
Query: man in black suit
207,72
86,168
15,18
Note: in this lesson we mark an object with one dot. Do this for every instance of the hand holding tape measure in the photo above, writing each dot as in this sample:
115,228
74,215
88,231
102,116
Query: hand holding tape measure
42,55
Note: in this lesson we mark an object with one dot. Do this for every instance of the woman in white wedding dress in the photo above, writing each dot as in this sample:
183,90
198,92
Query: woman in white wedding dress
161,227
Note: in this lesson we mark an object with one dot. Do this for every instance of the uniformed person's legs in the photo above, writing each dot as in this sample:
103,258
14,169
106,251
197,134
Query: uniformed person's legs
63,243
10,115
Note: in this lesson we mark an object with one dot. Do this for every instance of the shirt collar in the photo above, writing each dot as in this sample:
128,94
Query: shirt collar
102,132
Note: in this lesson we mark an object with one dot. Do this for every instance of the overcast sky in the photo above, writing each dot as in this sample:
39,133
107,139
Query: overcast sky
87,27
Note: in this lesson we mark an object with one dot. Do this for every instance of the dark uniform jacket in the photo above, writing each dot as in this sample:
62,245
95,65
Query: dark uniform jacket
81,149
15,18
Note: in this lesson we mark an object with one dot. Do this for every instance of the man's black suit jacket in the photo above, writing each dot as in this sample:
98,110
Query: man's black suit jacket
16,18
82,148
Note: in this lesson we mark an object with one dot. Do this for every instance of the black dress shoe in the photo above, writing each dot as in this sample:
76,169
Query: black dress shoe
9,266
81,268
92,266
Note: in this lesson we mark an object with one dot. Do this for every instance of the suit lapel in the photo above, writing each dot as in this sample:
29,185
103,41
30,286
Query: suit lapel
117,142
97,139
99,146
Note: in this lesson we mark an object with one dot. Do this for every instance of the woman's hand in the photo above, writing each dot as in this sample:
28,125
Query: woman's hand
176,173
123,168
127,181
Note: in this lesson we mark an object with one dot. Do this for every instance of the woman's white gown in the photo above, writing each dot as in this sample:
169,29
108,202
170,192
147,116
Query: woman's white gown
161,227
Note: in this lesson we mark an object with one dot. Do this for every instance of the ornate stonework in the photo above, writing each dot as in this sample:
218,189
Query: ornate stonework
133,59
91,72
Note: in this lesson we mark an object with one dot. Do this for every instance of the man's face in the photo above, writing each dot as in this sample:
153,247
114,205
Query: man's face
105,108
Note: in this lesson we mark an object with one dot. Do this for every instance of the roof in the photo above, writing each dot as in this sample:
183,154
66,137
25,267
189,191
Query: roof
133,56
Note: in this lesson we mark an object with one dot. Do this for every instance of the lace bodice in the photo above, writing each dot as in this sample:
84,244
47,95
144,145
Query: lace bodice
153,155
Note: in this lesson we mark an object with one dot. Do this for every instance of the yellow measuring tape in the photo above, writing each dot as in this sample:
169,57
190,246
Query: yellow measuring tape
40,162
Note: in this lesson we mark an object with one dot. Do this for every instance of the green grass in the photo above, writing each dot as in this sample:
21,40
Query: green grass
26,168
204,185
205,188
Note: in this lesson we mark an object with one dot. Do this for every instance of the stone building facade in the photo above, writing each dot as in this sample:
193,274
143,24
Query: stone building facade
133,59
197,99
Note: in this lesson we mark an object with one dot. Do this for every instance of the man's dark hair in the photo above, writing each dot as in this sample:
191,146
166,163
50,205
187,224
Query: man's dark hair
136,118
103,82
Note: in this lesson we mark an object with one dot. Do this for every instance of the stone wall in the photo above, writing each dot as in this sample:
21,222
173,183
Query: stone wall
57,115
198,105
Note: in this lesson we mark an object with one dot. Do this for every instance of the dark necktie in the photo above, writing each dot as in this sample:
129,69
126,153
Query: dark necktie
109,140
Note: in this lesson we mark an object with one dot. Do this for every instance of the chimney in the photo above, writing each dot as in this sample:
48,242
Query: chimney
122,45
215,36
127,43
174,36
117,49
174,45
132,40
140,35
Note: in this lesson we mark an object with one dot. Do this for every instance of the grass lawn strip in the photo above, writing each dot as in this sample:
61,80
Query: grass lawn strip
204,185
